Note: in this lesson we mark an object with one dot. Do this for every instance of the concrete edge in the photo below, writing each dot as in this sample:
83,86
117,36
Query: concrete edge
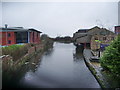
93,70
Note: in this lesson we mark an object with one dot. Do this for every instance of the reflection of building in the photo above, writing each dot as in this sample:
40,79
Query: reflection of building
96,37
17,35
78,54
117,30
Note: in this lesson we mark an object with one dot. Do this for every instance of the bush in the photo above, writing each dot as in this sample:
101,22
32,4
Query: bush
47,41
111,57
16,51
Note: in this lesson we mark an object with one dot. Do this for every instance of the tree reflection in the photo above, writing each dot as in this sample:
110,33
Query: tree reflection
49,52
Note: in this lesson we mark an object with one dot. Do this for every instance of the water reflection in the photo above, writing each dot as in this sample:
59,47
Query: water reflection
11,78
49,51
78,54
58,68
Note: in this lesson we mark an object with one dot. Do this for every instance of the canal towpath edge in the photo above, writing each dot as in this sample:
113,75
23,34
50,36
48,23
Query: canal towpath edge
96,71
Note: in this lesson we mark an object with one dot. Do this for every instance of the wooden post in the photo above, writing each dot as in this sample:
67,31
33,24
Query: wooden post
99,53
84,45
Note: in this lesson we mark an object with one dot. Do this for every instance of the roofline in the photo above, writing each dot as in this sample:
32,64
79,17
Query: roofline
94,27
117,26
13,30
34,30
83,29
17,30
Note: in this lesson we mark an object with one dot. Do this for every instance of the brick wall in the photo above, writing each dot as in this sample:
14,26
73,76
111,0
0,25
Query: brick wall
7,39
35,49
35,37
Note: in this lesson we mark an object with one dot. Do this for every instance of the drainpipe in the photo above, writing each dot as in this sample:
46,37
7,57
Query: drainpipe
6,34
28,37
84,45
6,39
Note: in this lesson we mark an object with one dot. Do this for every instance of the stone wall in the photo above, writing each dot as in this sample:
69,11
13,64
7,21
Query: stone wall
96,45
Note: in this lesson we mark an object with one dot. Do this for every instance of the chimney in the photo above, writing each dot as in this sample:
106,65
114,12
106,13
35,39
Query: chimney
6,25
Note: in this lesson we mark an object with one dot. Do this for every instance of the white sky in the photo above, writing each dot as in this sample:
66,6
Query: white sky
59,18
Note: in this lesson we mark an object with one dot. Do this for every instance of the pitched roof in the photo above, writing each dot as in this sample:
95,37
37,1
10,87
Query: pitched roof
96,27
31,29
83,29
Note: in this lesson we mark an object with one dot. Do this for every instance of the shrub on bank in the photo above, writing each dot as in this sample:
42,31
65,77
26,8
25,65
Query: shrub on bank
46,41
111,57
16,51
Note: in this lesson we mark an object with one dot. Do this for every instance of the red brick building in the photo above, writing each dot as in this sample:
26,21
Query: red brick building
10,36
117,30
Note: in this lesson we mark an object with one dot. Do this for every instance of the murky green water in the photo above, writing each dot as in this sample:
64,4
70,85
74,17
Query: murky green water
60,67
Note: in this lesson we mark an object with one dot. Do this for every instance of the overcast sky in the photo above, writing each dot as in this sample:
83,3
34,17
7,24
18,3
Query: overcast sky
60,18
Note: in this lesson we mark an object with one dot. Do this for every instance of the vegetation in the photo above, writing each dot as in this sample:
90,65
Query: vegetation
46,41
110,61
16,51
66,39
111,57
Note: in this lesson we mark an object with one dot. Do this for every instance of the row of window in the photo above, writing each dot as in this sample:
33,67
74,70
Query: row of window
9,35
104,38
4,35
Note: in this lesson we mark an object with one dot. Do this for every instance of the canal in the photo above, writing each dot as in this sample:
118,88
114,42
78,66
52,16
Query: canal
62,66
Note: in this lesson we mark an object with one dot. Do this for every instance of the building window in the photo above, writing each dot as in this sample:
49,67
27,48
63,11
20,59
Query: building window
9,35
9,41
104,38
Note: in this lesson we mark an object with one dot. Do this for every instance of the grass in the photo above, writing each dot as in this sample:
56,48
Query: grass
16,51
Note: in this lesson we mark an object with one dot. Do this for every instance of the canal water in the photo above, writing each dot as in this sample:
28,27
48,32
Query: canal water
62,66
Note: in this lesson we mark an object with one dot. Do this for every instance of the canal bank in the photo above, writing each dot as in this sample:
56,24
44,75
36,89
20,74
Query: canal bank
95,68
11,67
62,66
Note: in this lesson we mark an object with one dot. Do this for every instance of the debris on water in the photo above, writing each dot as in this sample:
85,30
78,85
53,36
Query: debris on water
26,62
33,63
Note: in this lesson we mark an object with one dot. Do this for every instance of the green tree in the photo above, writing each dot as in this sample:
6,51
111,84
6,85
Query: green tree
44,36
47,41
111,57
